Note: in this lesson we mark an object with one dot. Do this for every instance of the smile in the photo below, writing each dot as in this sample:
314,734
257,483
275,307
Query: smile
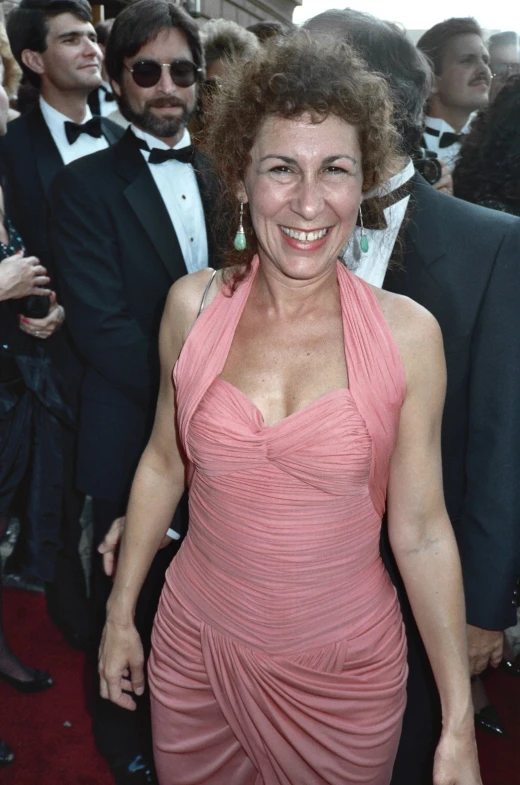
304,237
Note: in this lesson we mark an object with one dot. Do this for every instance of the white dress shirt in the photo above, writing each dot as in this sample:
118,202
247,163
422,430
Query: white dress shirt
440,126
84,144
179,189
105,107
372,265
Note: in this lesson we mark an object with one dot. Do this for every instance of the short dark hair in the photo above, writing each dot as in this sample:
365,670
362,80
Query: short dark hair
387,50
28,26
433,42
507,38
103,31
266,30
141,22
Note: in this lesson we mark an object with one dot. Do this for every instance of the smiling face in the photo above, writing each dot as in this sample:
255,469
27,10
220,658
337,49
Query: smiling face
304,188
165,109
465,79
72,59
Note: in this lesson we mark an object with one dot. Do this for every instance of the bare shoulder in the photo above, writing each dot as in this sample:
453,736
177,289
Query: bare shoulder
415,330
184,300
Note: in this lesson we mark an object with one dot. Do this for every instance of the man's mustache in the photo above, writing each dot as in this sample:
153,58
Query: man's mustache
165,102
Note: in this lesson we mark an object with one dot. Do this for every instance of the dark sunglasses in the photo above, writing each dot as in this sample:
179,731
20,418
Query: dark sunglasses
146,73
505,70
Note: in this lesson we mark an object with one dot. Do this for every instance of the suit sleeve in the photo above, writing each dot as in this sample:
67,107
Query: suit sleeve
489,534
86,257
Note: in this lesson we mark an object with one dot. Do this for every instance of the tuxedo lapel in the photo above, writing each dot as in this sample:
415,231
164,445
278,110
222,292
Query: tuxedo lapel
208,193
111,131
145,200
47,157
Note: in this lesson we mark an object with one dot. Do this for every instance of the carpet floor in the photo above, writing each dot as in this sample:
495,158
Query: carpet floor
50,732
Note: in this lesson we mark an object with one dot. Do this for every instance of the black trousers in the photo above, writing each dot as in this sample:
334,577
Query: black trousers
66,594
121,734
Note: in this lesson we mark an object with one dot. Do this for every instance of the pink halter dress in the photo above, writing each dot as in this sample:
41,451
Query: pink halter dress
278,651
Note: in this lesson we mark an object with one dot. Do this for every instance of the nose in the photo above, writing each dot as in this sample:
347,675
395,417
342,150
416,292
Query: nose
166,83
308,201
91,48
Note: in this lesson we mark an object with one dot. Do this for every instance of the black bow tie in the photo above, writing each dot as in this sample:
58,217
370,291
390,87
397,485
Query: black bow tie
109,96
446,139
91,127
183,154
373,216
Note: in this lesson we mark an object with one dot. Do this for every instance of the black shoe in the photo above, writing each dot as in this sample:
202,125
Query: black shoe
512,666
40,681
488,720
136,772
6,754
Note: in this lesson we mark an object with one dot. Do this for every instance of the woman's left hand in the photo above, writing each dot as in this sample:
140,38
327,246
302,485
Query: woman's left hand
43,328
456,759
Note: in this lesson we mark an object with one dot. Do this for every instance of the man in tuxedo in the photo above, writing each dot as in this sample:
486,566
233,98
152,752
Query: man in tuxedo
462,263
55,44
460,61
127,223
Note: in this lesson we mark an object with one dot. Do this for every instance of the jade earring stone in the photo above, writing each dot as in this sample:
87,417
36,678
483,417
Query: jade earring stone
240,241
363,243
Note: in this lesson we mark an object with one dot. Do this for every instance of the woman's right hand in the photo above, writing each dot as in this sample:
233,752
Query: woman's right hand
121,664
21,276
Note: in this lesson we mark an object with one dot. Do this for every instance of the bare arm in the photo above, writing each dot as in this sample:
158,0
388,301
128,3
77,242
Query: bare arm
157,488
425,549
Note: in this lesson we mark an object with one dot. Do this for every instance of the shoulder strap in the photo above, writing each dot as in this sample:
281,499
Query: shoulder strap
205,295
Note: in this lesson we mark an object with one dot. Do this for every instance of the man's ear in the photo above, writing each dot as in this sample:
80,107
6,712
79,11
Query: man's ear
33,61
116,87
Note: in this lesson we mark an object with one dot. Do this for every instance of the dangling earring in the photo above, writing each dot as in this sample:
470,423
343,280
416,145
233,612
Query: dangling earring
363,240
240,241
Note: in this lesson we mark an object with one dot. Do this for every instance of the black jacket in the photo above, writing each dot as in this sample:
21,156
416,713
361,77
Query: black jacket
462,263
117,255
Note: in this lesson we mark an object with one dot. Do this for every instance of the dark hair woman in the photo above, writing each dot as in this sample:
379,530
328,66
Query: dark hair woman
30,401
488,169
300,394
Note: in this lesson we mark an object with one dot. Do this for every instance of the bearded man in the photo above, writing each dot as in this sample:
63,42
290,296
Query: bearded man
126,223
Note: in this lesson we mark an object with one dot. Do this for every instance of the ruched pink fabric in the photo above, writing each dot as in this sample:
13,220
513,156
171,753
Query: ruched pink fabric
278,651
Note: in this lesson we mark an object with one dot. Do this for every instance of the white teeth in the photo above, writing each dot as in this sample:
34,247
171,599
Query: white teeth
304,237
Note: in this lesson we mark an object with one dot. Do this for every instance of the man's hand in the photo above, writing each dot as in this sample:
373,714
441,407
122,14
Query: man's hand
485,647
110,545
445,183
44,328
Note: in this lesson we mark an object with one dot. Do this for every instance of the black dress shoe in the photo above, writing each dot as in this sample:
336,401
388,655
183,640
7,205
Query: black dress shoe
488,720
136,772
40,681
6,754
512,666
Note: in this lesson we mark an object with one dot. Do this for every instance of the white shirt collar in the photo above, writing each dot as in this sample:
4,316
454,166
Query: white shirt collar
153,141
394,182
440,125
55,119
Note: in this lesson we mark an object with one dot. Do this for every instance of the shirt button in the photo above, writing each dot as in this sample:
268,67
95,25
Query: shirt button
183,196
191,239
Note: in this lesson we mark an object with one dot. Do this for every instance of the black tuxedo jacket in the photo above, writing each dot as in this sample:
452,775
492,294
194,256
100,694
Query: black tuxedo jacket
462,263
29,161
117,255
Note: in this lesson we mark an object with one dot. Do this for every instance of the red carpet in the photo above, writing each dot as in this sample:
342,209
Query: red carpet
50,752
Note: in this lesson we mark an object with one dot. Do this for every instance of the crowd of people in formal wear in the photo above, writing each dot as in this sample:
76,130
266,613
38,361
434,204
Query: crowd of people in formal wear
260,307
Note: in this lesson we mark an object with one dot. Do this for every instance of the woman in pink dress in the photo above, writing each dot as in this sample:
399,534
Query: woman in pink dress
300,396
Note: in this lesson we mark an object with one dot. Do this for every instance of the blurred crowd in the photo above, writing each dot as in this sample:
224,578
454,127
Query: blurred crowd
101,215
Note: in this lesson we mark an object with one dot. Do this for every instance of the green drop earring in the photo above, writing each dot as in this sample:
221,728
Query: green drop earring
240,241
363,240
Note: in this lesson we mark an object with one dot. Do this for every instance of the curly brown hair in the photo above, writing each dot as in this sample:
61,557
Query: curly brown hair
289,77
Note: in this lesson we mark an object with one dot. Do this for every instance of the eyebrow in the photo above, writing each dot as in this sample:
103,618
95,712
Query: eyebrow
69,33
330,159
